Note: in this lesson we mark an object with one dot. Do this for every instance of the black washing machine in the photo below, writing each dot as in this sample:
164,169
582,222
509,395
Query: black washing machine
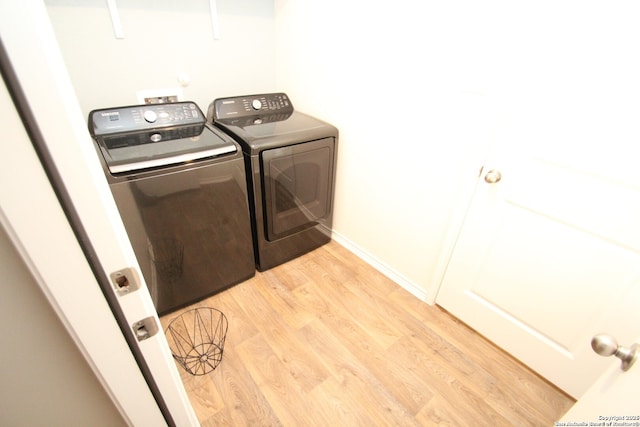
290,160
180,187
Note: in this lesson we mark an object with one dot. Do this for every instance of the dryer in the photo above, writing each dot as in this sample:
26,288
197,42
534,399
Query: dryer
290,162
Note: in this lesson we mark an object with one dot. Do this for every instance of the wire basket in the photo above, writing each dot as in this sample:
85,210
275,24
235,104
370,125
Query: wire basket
196,339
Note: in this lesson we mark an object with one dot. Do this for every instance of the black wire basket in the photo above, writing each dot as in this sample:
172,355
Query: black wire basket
196,339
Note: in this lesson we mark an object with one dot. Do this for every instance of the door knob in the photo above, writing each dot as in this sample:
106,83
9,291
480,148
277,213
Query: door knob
606,345
493,176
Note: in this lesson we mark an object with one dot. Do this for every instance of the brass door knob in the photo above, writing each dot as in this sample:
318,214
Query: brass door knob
493,176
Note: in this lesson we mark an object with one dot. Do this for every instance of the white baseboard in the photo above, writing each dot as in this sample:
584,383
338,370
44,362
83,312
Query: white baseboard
383,268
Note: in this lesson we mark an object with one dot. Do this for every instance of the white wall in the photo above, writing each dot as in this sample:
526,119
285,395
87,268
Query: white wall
44,378
402,83
397,186
164,38
418,89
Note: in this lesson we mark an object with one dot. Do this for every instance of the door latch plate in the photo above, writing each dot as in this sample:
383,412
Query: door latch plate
145,328
125,281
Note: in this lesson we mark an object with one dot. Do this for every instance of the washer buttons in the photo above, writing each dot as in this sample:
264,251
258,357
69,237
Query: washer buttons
150,116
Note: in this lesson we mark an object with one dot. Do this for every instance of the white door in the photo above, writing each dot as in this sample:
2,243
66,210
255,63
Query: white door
548,256
36,224
612,399
38,227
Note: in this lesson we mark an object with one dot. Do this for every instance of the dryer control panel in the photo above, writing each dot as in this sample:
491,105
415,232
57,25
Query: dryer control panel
249,105
144,117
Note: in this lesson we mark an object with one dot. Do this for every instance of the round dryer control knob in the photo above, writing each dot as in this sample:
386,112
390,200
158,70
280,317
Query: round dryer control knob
150,116
256,104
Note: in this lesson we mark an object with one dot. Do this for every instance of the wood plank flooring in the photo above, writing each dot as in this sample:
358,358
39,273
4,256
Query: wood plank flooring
326,340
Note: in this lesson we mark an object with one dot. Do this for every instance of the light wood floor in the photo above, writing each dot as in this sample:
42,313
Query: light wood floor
326,340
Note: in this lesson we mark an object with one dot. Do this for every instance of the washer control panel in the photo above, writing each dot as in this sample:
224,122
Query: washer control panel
144,117
250,105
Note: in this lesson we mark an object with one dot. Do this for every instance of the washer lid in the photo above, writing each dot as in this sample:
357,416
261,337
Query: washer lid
145,150
262,132
259,122
149,136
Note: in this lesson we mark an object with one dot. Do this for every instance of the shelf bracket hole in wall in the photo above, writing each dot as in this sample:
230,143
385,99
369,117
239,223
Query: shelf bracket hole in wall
215,25
119,32
115,19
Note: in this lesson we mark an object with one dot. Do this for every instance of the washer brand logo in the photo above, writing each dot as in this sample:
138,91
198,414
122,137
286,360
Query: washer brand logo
112,116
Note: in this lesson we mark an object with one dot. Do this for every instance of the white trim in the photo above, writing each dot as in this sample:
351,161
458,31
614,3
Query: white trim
411,287
118,32
451,237
215,24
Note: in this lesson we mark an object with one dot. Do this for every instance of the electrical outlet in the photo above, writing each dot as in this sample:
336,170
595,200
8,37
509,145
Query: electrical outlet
159,96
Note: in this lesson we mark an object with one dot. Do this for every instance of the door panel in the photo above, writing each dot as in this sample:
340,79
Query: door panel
39,230
523,278
48,101
543,258
613,398
614,393
591,200
550,255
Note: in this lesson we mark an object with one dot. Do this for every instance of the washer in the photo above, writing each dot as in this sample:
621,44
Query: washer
290,159
180,187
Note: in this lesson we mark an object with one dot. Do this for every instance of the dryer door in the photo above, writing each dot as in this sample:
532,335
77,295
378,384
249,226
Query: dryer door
298,187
